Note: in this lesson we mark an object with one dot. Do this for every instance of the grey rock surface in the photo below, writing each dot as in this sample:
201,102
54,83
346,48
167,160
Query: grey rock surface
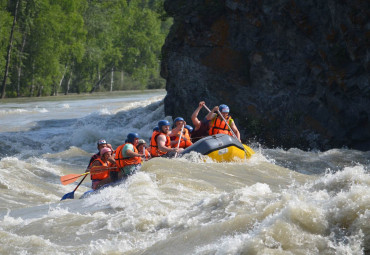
294,73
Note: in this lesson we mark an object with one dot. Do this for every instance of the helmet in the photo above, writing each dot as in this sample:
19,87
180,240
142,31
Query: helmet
156,129
190,128
105,150
178,119
162,123
140,142
102,141
224,108
131,137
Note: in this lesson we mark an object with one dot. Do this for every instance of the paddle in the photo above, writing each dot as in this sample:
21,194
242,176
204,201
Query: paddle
232,132
71,195
178,144
70,178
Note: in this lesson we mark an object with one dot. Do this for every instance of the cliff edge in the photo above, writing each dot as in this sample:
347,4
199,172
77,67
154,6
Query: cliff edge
294,73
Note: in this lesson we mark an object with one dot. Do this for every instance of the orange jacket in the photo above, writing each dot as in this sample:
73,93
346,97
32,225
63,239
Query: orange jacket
121,161
101,175
154,151
183,143
218,126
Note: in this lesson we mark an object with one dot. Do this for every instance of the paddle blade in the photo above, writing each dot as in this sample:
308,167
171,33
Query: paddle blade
248,151
70,195
70,178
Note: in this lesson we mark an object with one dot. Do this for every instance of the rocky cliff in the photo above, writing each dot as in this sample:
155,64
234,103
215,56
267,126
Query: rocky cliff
294,73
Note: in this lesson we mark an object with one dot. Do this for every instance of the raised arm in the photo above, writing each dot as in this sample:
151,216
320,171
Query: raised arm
212,113
194,116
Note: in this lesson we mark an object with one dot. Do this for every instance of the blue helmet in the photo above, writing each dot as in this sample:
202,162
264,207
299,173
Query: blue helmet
162,123
178,119
224,108
131,137
190,128
156,129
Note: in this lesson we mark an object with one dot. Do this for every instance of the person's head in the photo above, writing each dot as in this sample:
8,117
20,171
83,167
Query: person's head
178,122
133,138
189,128
101,144
141,144
164,126
105,153
224,110
155,129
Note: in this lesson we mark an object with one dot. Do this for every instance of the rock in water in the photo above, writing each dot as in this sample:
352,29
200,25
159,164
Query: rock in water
294,73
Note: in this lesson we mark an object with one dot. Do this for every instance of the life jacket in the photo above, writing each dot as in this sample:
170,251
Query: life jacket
183,143
125,161
101,175
154,151
93,158
219,126
147,154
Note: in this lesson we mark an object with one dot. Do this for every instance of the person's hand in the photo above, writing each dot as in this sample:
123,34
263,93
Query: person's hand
215,109
201,104
110,146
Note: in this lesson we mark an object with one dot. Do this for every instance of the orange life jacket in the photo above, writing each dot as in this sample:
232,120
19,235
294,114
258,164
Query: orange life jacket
101,175
219,126
183,143
154,151
121,161
147,154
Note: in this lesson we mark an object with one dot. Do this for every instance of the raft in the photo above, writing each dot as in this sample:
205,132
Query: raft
221,148
111,184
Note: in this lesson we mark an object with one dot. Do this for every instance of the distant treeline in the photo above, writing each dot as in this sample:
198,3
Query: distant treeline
63,46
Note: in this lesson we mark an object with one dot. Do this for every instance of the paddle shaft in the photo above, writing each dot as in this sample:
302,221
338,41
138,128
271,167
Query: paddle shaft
178,144
78,185
69,178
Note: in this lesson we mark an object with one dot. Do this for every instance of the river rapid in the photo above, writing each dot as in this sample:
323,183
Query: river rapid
277,202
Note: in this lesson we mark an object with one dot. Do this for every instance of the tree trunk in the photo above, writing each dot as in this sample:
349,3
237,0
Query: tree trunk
100,80
61,81
32,81
68,83
3,91
122,77
112,80
19,67
40,91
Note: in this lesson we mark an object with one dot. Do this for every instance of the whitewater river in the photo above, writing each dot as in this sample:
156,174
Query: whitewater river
277,202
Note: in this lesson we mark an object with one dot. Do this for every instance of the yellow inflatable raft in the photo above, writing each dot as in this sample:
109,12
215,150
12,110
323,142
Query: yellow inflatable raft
221,147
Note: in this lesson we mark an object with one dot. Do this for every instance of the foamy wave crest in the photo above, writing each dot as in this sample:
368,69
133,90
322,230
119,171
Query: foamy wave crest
13,111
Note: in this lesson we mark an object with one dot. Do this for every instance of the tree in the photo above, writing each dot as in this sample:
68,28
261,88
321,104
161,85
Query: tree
10,47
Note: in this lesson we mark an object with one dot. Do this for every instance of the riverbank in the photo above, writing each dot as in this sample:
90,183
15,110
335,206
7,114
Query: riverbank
79,96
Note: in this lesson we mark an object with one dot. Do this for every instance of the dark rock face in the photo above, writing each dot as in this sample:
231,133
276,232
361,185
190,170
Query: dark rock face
294,73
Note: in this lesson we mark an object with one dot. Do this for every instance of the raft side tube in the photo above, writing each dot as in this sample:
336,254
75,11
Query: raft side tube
213,143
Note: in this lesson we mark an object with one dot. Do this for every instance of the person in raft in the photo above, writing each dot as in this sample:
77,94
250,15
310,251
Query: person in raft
200,127
128,158
142,148
160,142
100,145
217,123
179,123
102,176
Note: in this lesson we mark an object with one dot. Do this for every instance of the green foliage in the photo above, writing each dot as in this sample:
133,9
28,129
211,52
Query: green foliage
5,26
78,42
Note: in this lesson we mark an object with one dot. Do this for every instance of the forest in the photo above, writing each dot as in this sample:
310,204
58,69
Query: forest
51,47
